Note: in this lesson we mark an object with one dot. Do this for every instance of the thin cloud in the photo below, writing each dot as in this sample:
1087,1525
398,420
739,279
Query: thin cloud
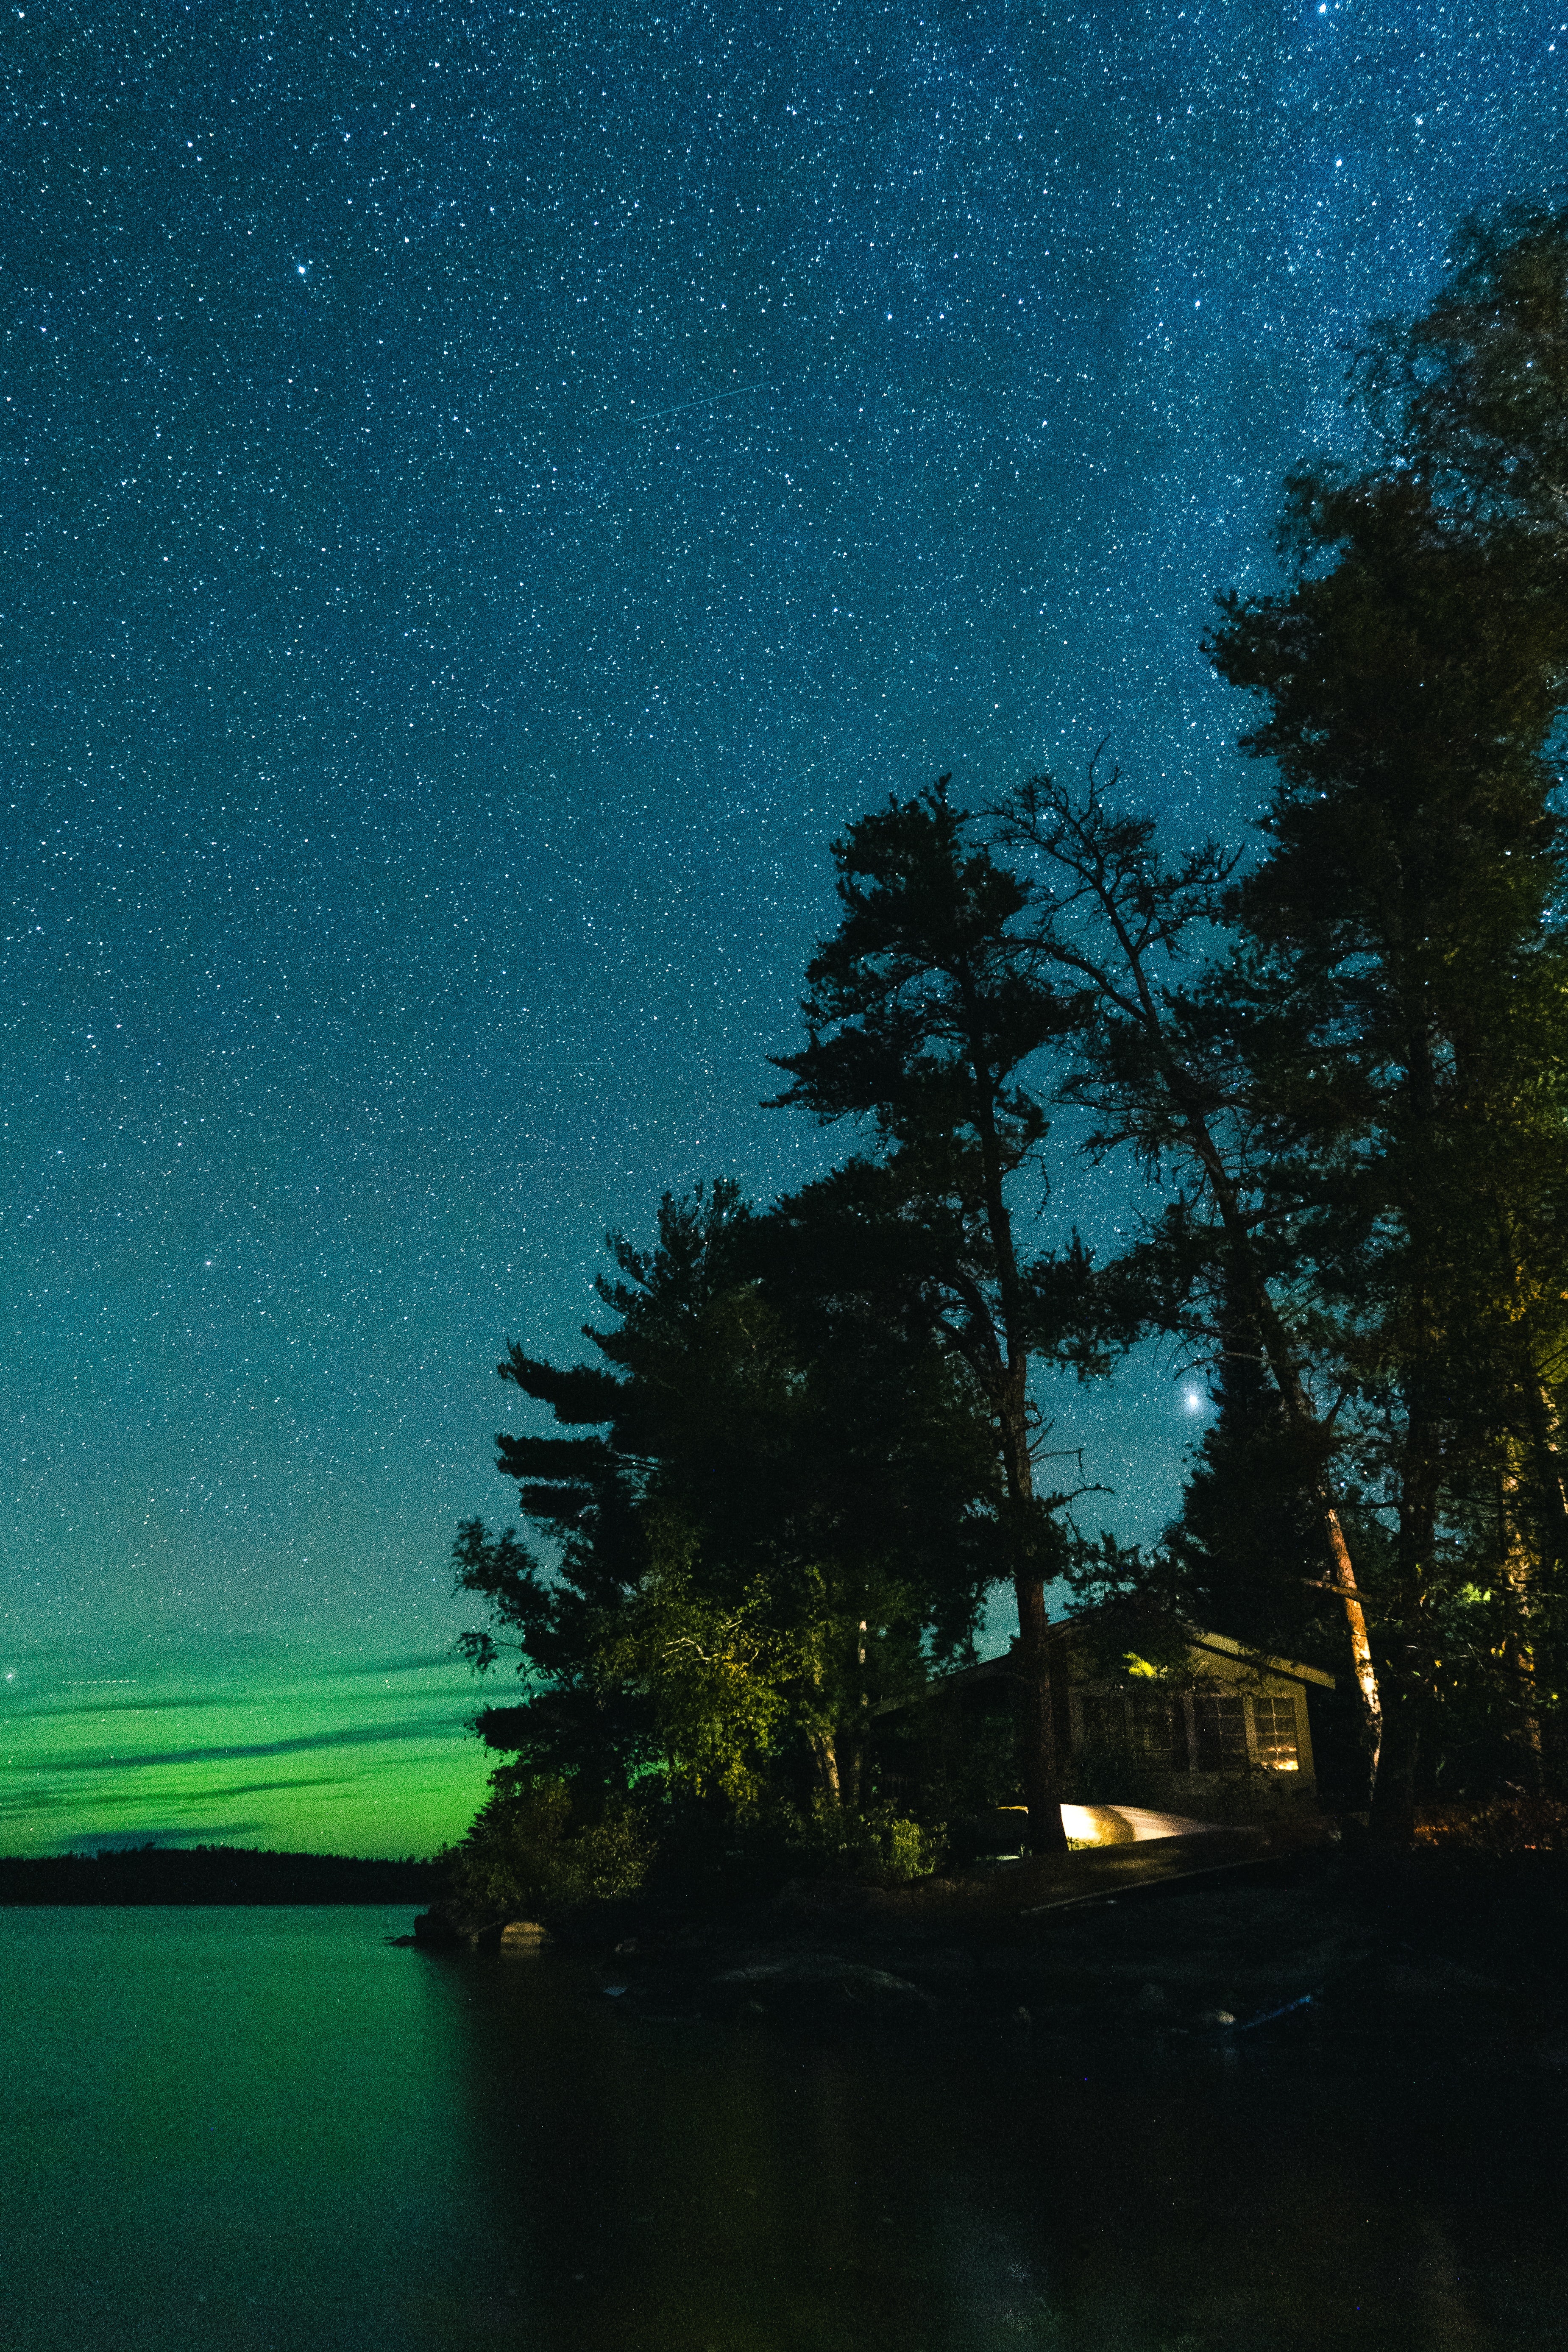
38,1803
129,1841
359,1735
409,1665
207,1692
42,1707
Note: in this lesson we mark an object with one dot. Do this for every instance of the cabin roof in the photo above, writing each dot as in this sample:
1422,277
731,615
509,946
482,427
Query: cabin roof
1291,1666
998,1669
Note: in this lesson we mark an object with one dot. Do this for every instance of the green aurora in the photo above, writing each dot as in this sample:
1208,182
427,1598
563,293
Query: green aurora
300,1748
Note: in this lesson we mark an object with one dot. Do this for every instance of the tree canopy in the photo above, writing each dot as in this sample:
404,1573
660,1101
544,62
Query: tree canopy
928,1015
808,1442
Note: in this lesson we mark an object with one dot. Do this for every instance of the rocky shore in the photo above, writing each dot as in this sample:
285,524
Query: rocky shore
1173,1941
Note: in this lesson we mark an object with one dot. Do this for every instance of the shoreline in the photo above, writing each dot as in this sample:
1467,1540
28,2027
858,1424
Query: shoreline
1463,1952
213,1874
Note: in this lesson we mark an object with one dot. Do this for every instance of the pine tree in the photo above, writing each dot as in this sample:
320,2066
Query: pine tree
1157,1065
926,1014
1246,1556
1402,973
771,1478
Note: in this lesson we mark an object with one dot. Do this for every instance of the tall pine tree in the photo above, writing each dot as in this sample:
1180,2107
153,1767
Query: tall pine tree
928,1013
1402,975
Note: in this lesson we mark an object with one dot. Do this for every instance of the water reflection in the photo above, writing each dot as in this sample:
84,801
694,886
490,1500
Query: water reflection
266,2130
681,2185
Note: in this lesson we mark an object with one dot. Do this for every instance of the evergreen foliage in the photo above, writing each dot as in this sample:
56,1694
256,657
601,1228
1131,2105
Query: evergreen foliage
783,1512
1401,967
928,1013
808,1444
1246,1556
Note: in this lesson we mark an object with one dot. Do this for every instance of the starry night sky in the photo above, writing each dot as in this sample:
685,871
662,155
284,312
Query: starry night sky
487,492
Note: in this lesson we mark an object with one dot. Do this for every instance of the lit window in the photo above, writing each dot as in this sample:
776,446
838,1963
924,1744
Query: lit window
1276,1721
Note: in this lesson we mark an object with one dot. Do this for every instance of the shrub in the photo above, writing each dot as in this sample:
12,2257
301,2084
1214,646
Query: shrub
1498,1825
881,1847
530,1854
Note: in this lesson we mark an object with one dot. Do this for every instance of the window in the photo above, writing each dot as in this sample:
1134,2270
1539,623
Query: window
1275,1722
1220,1724
1144,1723
1104,1720
1151,1726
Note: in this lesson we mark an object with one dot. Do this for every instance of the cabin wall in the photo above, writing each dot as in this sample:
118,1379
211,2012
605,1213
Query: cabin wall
1228,1740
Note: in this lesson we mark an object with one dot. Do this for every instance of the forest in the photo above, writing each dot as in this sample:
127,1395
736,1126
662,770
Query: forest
763,1518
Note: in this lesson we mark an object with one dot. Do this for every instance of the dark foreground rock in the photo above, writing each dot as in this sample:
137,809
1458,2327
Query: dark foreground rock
442,1929
1470,1956
1466,1953
817,1988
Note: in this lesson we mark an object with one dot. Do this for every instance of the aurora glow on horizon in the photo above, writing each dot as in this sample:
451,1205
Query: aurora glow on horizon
488,493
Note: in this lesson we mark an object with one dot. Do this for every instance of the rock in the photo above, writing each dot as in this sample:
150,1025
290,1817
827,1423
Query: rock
434,1933
523,1936
818,1989
441,1931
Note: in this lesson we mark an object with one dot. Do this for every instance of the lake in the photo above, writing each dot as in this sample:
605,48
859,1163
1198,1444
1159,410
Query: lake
266,2128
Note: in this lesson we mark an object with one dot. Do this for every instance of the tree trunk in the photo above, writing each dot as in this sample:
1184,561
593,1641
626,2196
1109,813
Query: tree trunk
1037,1730
1519,1648
1037,1753
1421,1471
827,1765
1545,1430
1365,1672
1393,1798
1303,1417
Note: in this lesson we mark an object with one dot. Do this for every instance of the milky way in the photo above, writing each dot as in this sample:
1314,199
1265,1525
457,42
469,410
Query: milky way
487,492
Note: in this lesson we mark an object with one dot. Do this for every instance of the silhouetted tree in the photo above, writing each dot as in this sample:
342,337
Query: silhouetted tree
1400,954
927,1014
1246,1556
780,1512
1357,1110
1159,1069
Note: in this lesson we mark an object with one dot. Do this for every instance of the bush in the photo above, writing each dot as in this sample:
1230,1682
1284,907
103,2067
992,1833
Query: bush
880,1847
530,1854
961,1763
1499,1825
908,1851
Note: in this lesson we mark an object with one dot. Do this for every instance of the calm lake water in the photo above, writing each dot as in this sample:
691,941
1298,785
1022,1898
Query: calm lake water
266,2128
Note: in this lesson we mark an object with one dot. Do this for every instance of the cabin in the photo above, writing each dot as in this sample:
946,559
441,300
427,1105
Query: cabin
1219,1721
1203,1726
